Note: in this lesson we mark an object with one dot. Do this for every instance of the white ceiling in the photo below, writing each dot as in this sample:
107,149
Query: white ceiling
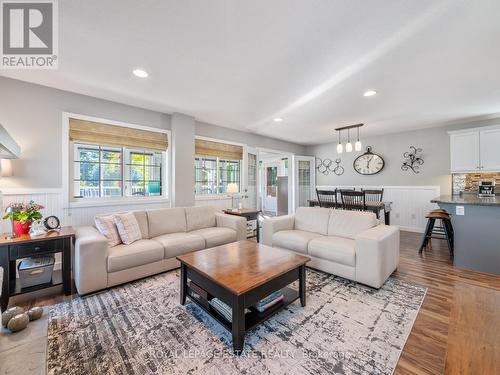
239,64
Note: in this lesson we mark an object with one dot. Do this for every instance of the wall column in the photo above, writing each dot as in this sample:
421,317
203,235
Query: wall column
183,132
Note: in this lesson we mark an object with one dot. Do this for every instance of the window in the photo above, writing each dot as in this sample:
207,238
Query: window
106,171
213,174
143,173
109,161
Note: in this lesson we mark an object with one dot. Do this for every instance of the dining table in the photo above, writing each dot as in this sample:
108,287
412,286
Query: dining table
373,206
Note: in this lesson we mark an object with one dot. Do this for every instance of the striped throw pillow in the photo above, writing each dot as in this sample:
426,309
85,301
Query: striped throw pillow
106,225
128,227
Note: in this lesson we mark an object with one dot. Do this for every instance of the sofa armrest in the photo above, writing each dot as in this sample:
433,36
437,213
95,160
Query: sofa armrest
91,252
238,223
377,254
276,224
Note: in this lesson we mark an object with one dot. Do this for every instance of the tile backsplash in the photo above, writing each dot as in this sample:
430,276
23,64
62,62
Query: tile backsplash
469,182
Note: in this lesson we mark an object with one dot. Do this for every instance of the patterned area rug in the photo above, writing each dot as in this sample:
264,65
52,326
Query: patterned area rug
140,328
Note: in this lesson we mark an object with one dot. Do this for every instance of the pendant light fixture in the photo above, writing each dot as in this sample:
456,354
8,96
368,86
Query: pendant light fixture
348,147
358,145
340,148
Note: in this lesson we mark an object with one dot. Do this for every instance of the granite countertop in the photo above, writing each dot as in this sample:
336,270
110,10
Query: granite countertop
472,199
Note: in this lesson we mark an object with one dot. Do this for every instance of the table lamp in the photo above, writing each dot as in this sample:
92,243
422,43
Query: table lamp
232,189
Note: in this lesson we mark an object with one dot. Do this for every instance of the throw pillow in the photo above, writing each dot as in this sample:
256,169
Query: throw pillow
128,227
106,225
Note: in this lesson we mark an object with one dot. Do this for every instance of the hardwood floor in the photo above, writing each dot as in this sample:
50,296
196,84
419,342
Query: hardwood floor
443,331
457,330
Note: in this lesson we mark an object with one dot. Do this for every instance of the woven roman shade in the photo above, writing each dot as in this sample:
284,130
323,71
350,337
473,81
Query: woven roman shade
112,135
217,149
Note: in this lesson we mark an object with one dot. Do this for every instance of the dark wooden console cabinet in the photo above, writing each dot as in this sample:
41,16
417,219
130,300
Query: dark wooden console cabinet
26,246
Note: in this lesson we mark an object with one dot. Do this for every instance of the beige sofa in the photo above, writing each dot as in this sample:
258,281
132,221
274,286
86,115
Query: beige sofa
350,244
166,233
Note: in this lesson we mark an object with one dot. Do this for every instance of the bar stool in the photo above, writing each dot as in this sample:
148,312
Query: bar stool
442,232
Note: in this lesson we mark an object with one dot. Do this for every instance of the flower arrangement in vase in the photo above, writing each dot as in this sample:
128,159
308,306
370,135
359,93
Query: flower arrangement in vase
22,215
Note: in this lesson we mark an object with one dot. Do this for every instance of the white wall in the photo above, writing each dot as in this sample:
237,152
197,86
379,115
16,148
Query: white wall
32,114
182,160
434,172
254,140
410,192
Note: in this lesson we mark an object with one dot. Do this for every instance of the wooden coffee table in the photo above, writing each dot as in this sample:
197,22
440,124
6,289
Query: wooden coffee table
240,274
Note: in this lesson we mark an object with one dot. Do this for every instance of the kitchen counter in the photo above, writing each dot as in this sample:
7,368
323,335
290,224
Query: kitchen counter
468,199
476,223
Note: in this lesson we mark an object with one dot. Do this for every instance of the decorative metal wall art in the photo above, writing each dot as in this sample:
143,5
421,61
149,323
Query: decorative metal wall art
413,160
327,166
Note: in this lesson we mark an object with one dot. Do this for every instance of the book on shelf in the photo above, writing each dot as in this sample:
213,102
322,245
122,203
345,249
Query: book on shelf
223,309
269,301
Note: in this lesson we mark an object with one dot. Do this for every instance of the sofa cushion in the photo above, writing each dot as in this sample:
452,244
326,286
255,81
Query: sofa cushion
166,220
295,240
180,243
349,224
216,236
107,226
335,249
128,227
199,217
312,219
141,252
142,220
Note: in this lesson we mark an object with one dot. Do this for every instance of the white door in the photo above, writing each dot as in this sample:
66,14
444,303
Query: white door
270,171
304,180
251,177
464,149
490,149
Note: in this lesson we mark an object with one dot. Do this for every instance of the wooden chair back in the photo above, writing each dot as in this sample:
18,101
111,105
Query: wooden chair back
327,198
353,200
373,195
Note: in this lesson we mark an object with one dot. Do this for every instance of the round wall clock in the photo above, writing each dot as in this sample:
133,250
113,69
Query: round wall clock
368,163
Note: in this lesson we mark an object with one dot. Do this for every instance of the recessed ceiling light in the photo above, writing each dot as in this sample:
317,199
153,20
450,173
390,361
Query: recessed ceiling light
140,73
370,93
277,119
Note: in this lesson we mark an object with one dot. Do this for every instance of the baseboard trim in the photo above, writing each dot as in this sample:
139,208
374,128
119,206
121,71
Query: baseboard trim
411,229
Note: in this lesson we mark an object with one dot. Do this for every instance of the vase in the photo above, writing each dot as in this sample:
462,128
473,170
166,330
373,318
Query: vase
21,228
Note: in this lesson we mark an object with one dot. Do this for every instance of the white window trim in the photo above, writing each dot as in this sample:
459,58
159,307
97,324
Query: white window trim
200,197
118,201
217,173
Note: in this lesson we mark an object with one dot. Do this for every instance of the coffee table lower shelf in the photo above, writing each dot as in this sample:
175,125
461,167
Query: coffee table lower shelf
252,318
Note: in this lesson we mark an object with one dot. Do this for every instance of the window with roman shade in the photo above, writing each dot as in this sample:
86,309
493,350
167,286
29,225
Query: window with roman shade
216,165
111,161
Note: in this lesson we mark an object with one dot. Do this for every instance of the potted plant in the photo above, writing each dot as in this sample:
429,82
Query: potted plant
22,215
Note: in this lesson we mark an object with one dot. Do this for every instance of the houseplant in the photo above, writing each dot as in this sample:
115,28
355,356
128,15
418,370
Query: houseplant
22,215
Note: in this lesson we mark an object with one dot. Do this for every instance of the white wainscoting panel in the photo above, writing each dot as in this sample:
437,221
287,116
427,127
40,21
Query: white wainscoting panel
410,204
53,201
220,201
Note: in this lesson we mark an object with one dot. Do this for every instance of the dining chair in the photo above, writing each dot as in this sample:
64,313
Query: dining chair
373,195
353,200
327,198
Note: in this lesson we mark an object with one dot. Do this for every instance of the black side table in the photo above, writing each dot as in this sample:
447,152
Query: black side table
249,214
26,246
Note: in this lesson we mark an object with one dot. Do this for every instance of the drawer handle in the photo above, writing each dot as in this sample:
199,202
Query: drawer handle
36,272
37,248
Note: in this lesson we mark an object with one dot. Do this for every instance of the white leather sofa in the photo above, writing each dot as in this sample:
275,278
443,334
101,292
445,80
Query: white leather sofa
350,244
166,233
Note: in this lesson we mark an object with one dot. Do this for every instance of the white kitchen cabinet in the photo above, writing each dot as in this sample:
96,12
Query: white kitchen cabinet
475,150
489,147
464,151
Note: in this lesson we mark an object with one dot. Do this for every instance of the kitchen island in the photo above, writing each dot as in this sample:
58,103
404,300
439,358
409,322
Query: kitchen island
476,223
